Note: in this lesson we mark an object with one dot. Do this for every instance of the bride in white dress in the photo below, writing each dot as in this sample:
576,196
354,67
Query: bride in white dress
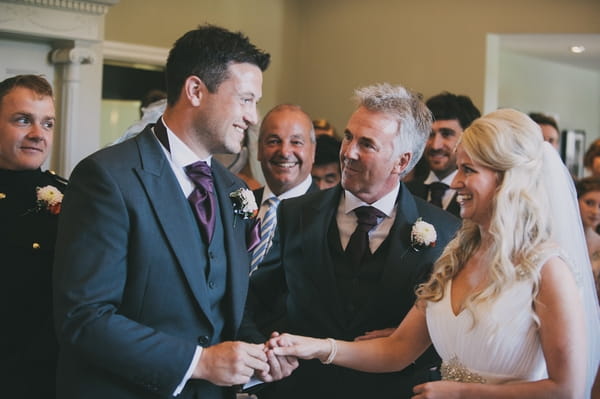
510,306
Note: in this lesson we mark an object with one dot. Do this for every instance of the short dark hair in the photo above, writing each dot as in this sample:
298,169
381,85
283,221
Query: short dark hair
327,151
543,119
37,83
152,96
592,152
446,106
206,52
587,184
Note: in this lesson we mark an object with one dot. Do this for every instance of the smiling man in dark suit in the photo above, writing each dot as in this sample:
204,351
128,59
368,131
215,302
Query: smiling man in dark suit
451,115
150,288
343,259
286,152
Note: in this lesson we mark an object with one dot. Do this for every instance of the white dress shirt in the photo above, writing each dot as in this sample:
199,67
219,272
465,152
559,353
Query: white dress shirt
448,180
347,220
297,191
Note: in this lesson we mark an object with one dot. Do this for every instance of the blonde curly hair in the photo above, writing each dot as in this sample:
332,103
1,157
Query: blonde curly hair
508,142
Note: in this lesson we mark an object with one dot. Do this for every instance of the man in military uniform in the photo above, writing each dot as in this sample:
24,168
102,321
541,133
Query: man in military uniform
29,206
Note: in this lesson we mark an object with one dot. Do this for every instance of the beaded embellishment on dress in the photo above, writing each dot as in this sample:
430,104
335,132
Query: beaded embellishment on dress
454,370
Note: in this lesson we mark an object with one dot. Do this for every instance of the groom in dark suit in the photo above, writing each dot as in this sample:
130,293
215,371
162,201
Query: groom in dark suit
344,259
150,288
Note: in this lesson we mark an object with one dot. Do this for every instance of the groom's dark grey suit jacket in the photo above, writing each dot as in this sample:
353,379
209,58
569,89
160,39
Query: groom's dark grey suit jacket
135,283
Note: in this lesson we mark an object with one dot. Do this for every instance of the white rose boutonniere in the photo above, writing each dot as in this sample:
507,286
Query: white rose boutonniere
244,203
422,235
49,198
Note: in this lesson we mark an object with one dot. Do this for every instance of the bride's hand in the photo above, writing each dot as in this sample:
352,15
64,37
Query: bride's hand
301,347
279,366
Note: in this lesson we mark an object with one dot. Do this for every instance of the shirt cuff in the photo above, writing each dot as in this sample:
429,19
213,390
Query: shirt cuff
189,372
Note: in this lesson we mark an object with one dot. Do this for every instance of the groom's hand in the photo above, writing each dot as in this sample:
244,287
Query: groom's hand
231,363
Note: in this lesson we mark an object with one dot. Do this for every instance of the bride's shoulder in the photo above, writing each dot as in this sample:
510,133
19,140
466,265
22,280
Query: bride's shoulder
552,260
539,258
546,252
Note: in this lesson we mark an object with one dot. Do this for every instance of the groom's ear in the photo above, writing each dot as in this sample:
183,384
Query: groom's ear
194,90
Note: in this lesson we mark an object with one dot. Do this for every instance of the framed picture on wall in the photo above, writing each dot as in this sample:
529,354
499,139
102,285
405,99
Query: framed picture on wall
572,150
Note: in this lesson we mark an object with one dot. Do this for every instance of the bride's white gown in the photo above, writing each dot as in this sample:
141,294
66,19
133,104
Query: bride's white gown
502,347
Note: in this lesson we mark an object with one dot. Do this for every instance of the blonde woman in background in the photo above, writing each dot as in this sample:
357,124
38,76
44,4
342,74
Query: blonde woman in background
502,306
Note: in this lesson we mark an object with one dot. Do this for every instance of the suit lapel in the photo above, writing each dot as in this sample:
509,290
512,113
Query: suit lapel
313,188
401,252
238,260
417,188
173,213
258,194
316,220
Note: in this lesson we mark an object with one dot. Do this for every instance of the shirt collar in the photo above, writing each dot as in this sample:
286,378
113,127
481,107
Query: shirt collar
431,178
297,191
385,204
181,154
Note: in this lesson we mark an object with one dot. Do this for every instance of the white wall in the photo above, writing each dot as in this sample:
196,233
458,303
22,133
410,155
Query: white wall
570,94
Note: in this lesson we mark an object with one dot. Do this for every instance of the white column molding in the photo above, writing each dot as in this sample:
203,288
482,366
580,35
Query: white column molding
75,56
135,53
71,60
53,19
98,7
75,29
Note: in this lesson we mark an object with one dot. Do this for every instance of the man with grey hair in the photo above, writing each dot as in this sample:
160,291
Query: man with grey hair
345,262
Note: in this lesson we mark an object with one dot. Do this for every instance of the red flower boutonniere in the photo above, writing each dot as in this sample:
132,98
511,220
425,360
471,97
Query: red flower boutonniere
49,198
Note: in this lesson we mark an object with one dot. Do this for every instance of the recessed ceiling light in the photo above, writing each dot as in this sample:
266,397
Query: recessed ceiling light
577,49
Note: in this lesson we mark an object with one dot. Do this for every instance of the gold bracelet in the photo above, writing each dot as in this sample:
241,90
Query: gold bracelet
333,352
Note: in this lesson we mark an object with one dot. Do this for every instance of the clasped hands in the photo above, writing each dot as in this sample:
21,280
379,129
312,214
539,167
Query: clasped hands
235,363
299,347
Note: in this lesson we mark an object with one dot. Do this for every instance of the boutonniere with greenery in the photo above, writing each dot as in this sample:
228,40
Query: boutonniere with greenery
49,198
422,235
244,203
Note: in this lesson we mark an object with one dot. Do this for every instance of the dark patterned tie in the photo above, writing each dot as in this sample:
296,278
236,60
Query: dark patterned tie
437,190
358,246
202,198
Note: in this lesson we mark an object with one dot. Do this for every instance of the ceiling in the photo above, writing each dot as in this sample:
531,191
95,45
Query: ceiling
556,48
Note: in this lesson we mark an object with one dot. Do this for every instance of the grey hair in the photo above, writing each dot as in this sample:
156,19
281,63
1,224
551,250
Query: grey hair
414,118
